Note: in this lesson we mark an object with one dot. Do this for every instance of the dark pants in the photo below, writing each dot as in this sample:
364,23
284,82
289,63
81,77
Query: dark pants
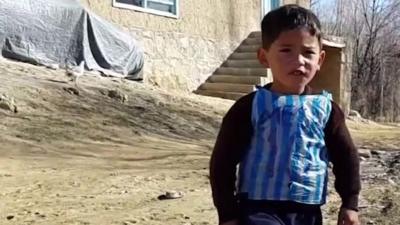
270,214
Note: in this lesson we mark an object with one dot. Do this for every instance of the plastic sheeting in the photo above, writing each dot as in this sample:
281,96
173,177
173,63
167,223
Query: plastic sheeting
63,32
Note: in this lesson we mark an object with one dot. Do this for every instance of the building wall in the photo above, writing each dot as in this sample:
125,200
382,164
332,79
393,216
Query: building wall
334,76
181,53
345,87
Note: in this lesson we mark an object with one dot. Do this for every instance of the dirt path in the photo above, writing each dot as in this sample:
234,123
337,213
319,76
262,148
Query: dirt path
95,159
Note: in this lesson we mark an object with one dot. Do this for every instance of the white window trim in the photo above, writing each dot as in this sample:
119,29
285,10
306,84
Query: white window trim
147,10
280,2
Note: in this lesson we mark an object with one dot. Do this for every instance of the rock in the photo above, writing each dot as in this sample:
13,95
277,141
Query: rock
376,152
381,163
129,222
354,113
7,103
53,66
392,182
366,153
171,195
118,95
71,90
356,117
387,207
174,194
10,217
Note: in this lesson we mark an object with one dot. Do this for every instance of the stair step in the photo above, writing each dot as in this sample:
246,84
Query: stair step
239,74
220,94
243,63
253,80
248,48
243,55
256,34
227,87
252,41
242,71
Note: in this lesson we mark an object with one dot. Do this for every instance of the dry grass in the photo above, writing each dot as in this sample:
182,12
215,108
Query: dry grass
375,136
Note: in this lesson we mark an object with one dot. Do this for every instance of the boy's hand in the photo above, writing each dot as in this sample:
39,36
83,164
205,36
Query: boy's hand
348,217
232,222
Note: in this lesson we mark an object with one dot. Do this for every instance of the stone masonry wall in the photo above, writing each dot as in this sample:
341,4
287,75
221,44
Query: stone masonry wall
181,53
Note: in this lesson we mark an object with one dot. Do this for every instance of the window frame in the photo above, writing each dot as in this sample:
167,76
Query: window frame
273,4
147,10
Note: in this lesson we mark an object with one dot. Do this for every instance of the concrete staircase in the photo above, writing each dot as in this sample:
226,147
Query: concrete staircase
239,74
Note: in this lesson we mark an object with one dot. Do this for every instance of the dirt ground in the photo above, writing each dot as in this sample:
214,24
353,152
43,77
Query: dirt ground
96,157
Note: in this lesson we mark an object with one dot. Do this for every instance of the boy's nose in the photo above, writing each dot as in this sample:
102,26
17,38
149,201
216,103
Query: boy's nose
301,60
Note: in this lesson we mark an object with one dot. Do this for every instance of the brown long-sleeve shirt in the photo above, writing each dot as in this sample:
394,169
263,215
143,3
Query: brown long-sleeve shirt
234,138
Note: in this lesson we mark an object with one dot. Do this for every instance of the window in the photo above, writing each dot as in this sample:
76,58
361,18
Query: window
160,7
274,4
268,5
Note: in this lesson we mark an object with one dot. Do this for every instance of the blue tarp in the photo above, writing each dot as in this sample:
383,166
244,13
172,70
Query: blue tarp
63,32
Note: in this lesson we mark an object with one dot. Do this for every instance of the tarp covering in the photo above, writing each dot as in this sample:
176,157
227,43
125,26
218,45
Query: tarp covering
63,32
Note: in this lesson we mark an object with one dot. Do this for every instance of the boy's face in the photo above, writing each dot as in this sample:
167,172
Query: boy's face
294,58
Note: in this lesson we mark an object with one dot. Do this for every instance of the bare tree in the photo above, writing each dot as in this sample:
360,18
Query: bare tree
371,27
313,2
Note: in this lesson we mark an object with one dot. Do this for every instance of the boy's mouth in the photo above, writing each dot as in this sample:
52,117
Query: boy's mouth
298,73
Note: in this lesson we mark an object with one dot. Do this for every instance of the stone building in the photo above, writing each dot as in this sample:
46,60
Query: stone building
186,43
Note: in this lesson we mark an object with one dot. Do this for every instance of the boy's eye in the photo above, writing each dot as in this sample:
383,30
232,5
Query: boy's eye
310,52
285,50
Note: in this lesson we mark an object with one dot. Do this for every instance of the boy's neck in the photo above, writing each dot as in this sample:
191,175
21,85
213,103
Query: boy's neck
278,88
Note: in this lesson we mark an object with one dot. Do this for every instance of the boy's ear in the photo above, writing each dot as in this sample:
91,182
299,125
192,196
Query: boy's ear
262,57
321,60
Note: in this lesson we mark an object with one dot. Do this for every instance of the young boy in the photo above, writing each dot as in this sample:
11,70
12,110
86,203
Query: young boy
283,136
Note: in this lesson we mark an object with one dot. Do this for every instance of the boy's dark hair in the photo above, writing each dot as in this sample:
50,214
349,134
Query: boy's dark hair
288,17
